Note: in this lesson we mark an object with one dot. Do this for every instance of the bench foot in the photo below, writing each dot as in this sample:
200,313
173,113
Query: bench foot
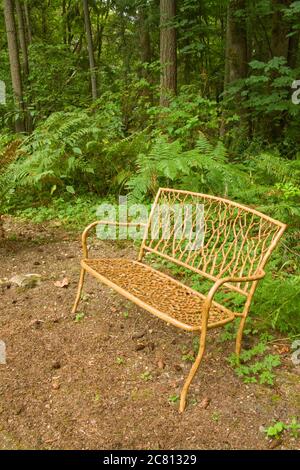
190,378
239,337
80,285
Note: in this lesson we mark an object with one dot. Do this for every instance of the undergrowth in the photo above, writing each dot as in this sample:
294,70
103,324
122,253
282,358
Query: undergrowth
74,213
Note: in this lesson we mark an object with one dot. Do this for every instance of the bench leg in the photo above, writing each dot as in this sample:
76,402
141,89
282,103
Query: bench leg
80,284
239,337
192,374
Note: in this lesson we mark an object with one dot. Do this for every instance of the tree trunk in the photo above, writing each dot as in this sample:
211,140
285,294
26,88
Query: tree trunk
22,37
100,30
64,21
236,62
144,35
236,53
145,51
282,44
25,62
168,52
293,50
89,38
27,21
14,61
44,17
280,29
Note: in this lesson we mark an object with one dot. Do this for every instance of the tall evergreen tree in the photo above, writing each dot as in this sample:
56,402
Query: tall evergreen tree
168,51
89,38
14,61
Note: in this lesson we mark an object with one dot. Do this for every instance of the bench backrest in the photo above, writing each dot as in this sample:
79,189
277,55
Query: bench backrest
211,236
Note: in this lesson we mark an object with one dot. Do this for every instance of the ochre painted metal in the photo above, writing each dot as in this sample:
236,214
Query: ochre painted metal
236,245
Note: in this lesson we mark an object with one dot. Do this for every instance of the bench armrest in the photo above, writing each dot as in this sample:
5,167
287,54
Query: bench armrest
260,274
104,222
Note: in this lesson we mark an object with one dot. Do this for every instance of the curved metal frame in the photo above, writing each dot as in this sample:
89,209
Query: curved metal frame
233,282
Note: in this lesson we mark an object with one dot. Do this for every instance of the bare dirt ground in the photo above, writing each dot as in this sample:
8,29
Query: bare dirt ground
104,381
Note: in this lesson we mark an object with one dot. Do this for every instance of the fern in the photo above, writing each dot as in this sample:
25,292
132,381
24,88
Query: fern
273,168
281,309
64,151
204,168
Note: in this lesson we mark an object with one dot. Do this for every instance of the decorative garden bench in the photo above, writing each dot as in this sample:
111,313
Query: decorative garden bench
220,240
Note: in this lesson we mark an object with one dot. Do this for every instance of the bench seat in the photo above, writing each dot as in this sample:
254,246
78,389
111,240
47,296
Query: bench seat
157,292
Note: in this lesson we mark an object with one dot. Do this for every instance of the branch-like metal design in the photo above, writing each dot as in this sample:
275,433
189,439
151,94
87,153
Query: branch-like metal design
231,249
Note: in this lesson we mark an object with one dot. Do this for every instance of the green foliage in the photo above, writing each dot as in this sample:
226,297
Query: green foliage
188,116
277,429
204,168
67,151
79,317
196,344
173,399
120,361
279,310
215,416
266,99
188,357
294,428
74,213
254,365
53,64
146,376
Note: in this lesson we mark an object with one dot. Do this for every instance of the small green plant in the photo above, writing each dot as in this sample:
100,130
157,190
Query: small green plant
173,398
85,297
79,316
228,333
289,190
215,416
126,315
188,357
193,401
294,428
74,212
97,397
146,376
120,361
254,365
196,342
276,430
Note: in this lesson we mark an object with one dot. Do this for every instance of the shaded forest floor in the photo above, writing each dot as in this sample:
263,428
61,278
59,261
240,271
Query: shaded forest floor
104,381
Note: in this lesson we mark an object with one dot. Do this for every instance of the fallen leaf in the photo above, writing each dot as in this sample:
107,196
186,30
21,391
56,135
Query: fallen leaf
161,364
204,403
56,365
282,349
63,283
275,443
138,335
